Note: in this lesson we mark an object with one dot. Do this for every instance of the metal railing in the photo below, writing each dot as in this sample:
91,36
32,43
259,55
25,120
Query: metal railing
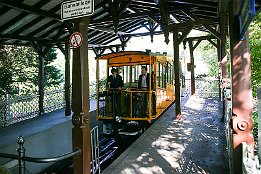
95,157
54,100
227,120
250,161
206,87
22,158
14,109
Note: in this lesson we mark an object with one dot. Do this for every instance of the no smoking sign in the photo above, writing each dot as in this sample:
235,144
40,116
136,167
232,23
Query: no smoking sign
76,40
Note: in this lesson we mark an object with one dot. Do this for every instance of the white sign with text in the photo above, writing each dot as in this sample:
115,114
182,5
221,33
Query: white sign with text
76,9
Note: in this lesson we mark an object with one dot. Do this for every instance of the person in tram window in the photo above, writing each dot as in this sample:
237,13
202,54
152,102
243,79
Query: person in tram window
144,84
115,83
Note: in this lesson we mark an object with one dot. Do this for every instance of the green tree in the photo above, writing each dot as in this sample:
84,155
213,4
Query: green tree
255,50
19,70
209,56
52,76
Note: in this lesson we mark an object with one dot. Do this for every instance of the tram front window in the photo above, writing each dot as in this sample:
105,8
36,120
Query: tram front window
128,92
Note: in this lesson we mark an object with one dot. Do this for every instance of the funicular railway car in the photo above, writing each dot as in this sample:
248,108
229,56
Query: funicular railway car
139,107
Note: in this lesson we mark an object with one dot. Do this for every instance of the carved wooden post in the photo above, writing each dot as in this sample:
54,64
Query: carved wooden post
176,71
80,100
219,68
192,69
259,122
67,81
41,80
223,51
242,123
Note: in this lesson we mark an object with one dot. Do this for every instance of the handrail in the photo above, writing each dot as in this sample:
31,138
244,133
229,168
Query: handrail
7,155
22,158
76,151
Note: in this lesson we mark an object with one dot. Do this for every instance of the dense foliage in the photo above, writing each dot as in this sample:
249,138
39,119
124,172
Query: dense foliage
19,70
255,50
209,56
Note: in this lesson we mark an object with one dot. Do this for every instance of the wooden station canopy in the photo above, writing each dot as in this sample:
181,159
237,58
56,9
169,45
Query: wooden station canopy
26,21
38,23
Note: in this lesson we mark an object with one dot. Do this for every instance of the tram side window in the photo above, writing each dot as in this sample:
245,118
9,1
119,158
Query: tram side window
163,76
171,74
167,73
158,74
135,76
170,81
126,76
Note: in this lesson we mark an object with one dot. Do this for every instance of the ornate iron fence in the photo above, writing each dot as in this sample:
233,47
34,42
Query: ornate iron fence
227,123
14,109
54,100
250,161
205,87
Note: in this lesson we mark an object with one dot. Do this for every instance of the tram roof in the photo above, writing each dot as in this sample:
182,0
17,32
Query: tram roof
124,54
27,22
127,58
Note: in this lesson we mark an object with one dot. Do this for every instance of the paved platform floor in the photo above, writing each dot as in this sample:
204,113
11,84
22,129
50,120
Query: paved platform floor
26,128
194,144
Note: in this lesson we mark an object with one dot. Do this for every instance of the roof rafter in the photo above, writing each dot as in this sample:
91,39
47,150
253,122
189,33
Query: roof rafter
29,9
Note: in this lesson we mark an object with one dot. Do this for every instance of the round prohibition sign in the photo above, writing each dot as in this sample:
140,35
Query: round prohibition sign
76,40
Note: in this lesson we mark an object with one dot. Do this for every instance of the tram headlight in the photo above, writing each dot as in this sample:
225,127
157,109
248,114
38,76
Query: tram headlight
118,119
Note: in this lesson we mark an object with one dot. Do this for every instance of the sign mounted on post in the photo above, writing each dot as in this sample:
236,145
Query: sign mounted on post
76,9
76,40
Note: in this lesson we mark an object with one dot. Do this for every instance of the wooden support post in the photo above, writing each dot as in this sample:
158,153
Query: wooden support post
176,71
42,51
219,68
191,49
41,80
242,107
223,51
67,85
80,100
67,80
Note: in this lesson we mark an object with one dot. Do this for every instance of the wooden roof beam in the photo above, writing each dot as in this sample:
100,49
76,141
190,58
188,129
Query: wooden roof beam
19,37
36,20
207,26
196,2
213,43
128,16
30,9
4,9
200,38
185,34
107,30
109,38
165,17
15,20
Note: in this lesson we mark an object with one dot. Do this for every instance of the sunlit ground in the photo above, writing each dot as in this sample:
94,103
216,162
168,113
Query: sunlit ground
195,144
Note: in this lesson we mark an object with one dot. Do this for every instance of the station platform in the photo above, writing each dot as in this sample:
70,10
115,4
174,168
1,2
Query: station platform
45,136
194,144
27,128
